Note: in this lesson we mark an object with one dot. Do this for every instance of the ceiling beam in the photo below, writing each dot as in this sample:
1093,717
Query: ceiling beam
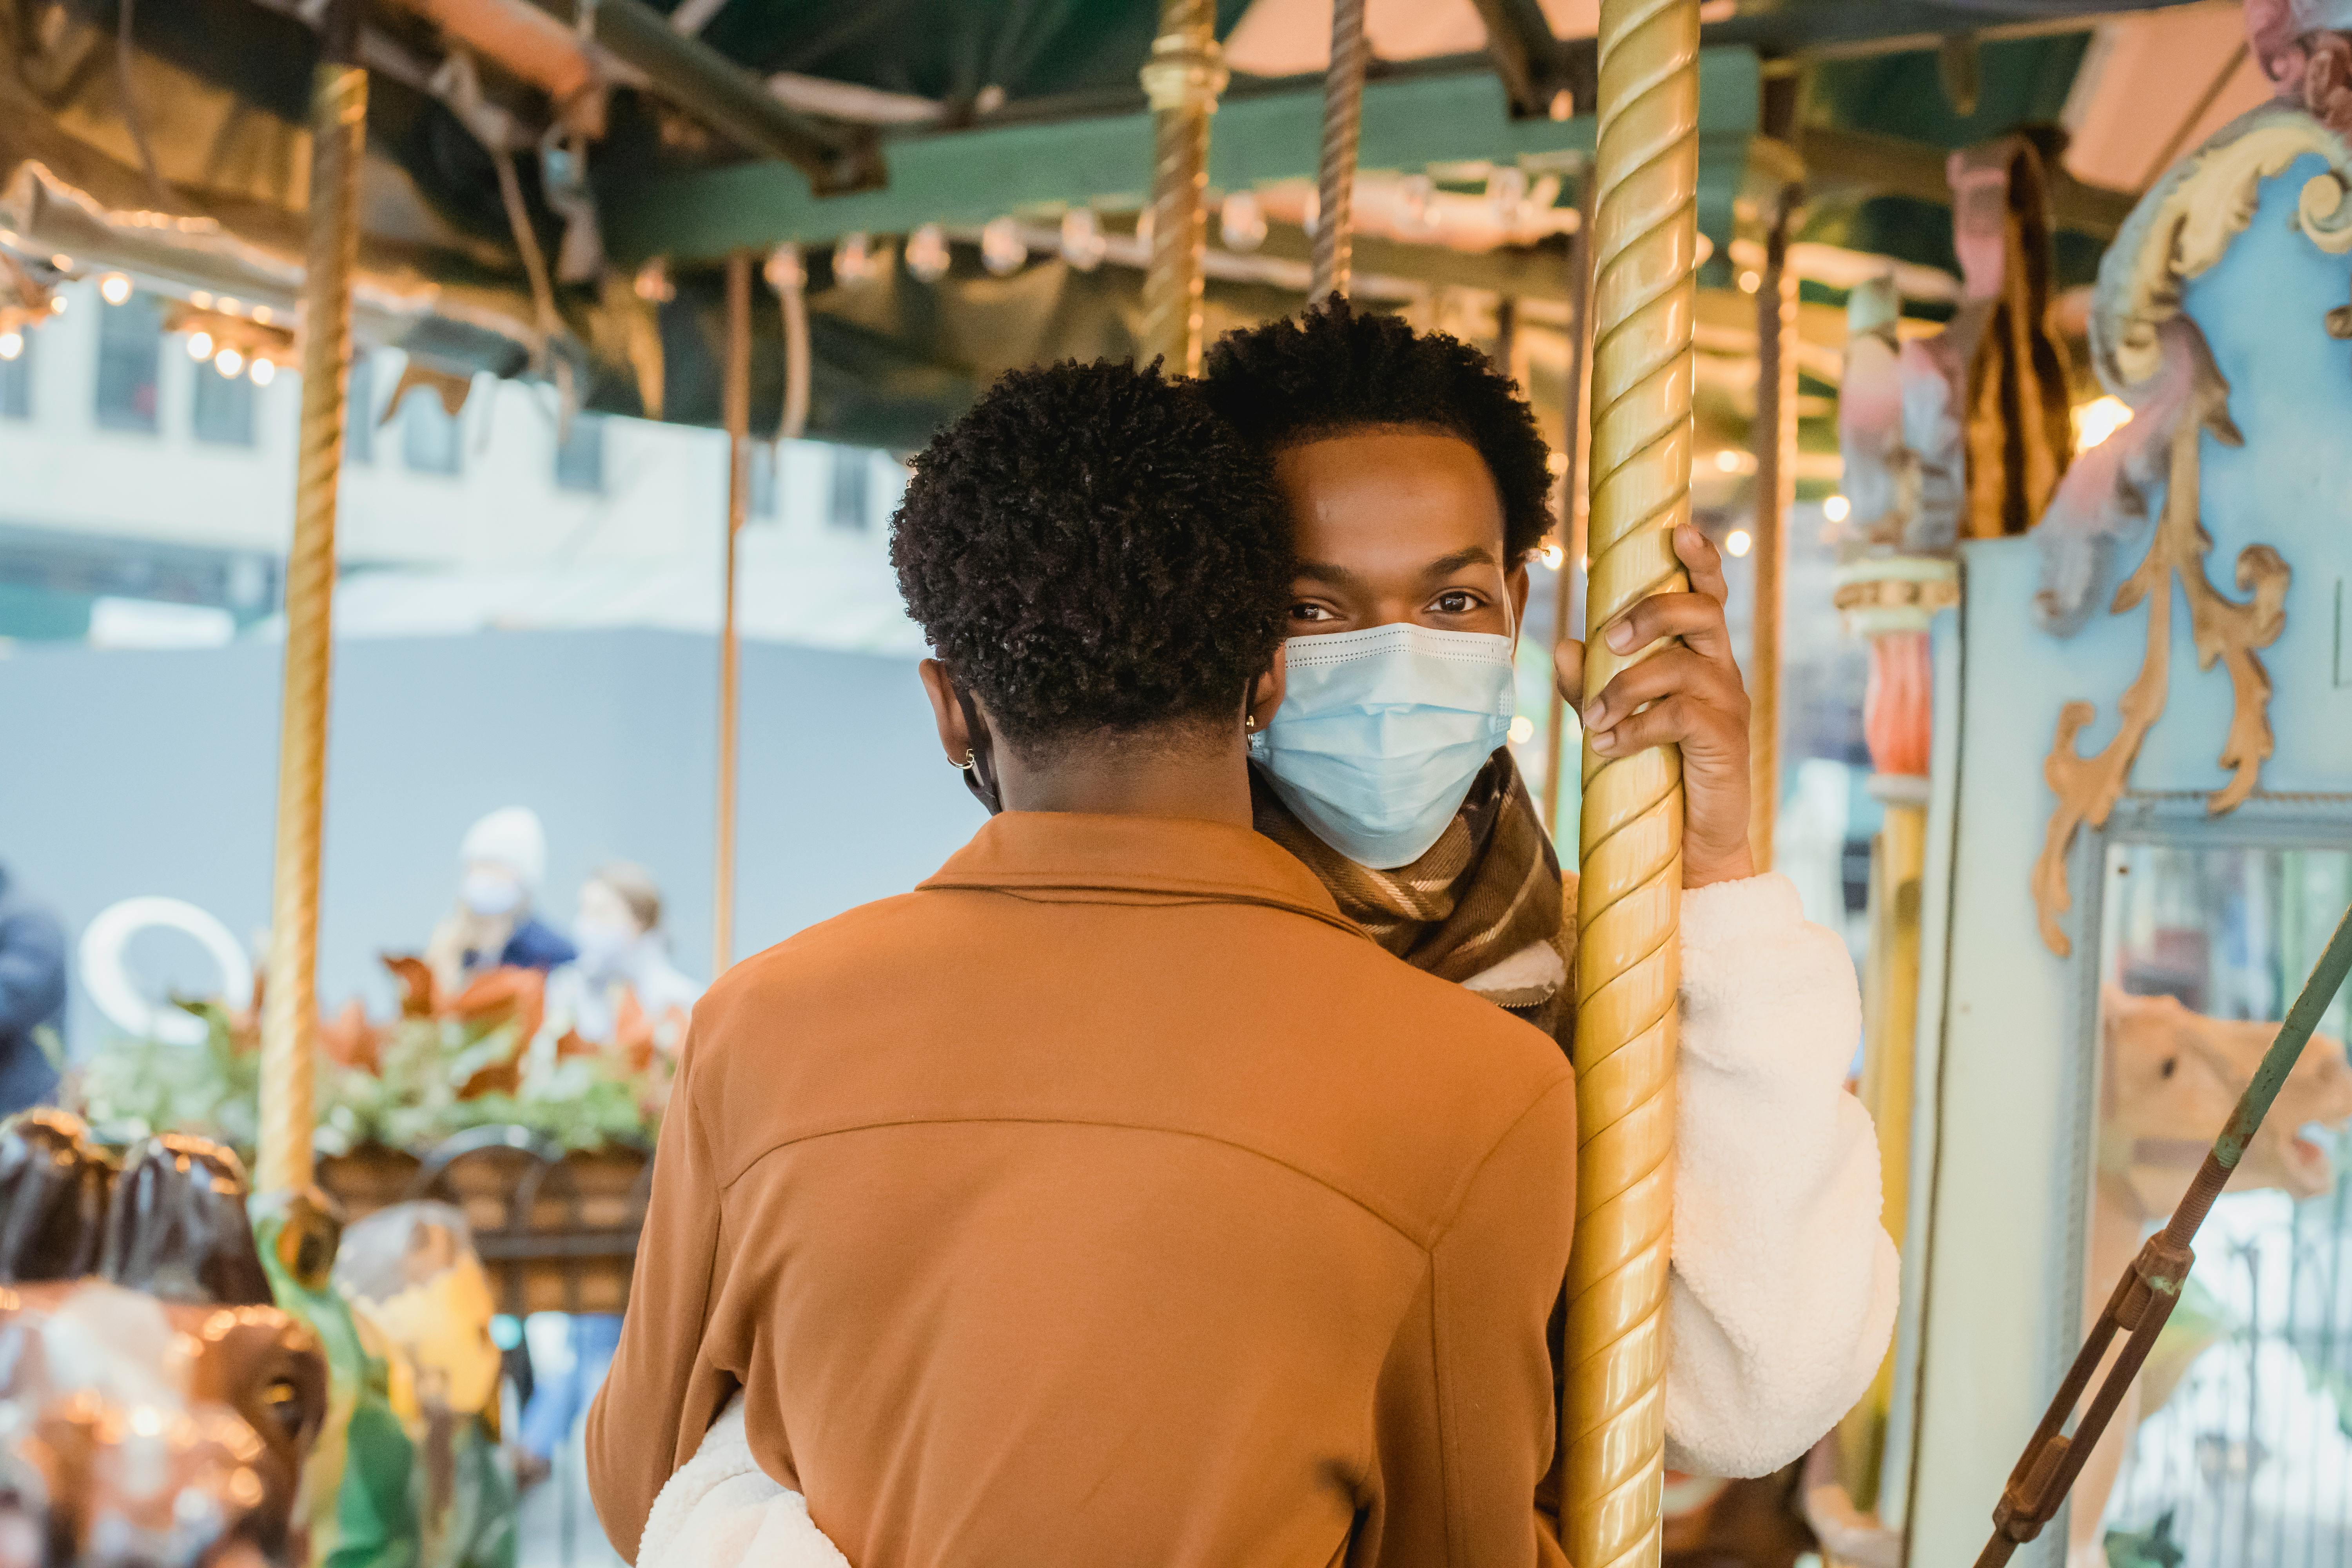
719,93
968,178
1534,65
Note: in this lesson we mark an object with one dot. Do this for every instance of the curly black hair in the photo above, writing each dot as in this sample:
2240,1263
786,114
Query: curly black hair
1335,369
1094,554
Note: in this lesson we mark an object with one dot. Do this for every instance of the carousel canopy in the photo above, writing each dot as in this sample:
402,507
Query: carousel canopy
551,182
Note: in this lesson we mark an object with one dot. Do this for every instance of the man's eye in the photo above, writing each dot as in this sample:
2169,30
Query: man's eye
1310,613
1458,603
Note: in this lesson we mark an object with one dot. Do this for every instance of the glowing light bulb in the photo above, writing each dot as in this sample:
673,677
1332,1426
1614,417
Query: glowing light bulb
2096,420
57,304
1553,555
1242,222
228,362
1727,461
201,301
263,373
927,253
1739,542
1523,729
114,287
1836,508
1750,282
200,346
1082,239
1558,464
11,344
1002,249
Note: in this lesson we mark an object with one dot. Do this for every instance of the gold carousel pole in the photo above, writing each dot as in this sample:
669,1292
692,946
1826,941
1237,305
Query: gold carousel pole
737,404
1335,189
291,1009
1775,437
1182,79
1629,898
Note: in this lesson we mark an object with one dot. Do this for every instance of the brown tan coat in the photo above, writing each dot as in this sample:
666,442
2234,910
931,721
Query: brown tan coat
1109,1199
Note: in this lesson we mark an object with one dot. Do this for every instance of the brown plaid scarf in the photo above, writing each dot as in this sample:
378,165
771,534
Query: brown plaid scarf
1488,887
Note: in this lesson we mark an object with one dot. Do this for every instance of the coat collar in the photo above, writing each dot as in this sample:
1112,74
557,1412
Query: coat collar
1059,856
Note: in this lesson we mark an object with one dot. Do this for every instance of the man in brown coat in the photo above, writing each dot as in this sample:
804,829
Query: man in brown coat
1109,1199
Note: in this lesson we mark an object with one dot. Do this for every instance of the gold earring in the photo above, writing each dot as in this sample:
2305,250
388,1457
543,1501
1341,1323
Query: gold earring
1249,722
969,760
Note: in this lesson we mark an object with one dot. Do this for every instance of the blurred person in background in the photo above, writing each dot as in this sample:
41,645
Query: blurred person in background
624,960
500,864
32,997
620,989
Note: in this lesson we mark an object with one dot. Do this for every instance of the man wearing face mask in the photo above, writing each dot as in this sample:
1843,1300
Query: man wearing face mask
1417,487
501,863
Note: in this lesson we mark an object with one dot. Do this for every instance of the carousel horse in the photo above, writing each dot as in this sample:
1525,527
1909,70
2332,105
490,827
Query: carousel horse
2169,1081
155,1408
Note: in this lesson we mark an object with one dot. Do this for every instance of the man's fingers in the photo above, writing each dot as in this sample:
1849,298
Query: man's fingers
1694,617
1667,722
1568,672
1677,672
1704,563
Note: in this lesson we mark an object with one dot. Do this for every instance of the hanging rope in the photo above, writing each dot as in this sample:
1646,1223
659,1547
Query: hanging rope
1182,79
787,274
1343,118
736,400
1629,950
290,1008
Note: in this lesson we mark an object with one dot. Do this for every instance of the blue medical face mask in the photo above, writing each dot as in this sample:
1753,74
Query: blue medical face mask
1381,732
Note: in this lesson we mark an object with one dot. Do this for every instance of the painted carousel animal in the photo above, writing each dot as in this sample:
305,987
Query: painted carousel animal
2169,1078
155,1407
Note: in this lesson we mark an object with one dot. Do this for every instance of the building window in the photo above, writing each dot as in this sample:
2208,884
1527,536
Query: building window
850,489
580,457
222,409
431,437
358,419
129,348
16,379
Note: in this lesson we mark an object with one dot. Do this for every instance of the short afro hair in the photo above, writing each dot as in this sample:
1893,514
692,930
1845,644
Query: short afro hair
1334,370
1093,553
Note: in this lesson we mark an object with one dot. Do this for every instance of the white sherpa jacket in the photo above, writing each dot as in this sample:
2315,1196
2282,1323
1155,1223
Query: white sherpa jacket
1781,1299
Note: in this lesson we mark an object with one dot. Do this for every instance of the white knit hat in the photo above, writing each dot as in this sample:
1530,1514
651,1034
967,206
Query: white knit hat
510,837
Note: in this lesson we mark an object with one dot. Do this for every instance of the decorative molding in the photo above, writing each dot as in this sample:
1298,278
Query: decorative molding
2194,213
2221,628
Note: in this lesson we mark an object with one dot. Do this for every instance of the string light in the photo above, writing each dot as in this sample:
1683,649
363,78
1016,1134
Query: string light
1836,508
11,344
2096,420
1750,282
201,301
1553,555
228,362
1082,239
200,346
1240,222
1001,250
1727,461
57,304
1523,729
927,253
114,287
263,373
1739,542
853,260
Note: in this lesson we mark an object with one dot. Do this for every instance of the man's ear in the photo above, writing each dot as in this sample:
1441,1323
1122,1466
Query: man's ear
1265,695
1514,583
955,735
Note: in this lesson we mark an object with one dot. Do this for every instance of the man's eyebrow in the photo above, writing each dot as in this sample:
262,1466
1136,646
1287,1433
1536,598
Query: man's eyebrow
1471,555
1337,576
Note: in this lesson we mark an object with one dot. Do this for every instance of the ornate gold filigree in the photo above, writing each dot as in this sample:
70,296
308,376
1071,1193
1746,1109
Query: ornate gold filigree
2205,205
2221,628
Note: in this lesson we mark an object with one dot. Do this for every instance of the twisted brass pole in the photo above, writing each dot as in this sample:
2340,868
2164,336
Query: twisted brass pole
290,1008
1335,190
736,403
1645,241
1182,79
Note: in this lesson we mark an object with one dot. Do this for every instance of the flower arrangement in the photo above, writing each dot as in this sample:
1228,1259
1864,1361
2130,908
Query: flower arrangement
483,1055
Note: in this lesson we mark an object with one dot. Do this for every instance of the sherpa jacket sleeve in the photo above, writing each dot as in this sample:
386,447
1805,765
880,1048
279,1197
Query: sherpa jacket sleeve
1781,1299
